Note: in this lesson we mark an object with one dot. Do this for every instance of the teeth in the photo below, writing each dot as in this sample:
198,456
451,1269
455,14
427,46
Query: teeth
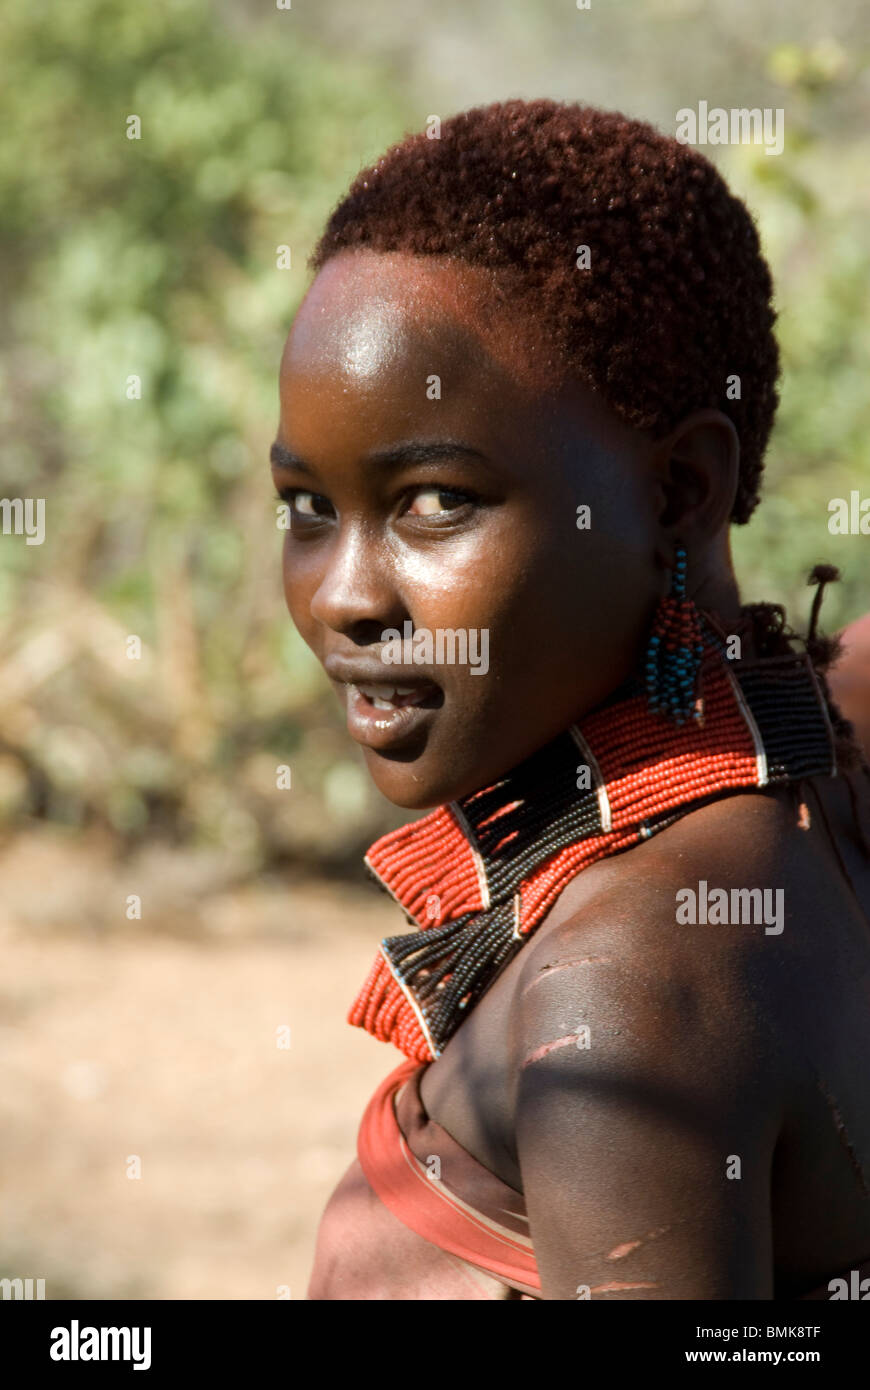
384,693
385,696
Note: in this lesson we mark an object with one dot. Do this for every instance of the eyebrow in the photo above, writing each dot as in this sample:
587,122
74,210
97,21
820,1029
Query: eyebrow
396,456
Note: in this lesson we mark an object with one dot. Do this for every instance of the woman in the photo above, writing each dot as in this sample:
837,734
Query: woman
526,394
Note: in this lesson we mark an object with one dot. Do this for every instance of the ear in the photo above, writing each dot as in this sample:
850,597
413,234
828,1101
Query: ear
696,471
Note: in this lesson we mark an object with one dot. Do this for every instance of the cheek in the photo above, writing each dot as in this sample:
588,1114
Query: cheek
518,576
569,610
471,580
300,577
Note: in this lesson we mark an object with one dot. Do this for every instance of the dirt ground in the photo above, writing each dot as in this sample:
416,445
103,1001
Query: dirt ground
158,1039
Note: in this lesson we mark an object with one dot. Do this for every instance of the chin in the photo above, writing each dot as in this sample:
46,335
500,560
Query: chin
411,788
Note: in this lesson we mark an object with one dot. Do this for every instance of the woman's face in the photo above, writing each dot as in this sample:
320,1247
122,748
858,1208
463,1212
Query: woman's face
434,470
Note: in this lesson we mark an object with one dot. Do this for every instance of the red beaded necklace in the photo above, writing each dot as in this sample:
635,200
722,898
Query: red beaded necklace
478,875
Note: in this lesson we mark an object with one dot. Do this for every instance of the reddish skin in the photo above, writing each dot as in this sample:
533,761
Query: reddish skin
850,678
706,1042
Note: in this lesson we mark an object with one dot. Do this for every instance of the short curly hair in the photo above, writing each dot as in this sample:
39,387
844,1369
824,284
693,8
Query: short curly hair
677,297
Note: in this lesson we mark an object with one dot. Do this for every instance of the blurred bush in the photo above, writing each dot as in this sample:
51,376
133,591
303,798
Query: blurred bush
157,258
812,204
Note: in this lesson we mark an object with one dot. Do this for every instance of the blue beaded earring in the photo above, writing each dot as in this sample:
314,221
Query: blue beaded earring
673,657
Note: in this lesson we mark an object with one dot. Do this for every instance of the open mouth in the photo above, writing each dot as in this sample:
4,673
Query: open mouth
391,717
386,696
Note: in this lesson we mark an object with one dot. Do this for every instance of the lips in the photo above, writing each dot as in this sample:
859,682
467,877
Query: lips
387,725
385,714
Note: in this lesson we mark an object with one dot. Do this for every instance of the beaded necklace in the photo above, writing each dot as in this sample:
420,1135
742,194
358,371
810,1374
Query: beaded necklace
478,875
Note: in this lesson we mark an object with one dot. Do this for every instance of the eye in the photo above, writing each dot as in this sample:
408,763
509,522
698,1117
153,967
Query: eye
437,501
304,502
306,506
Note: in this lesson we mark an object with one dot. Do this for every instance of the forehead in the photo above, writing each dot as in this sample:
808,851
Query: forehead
374,330
371,315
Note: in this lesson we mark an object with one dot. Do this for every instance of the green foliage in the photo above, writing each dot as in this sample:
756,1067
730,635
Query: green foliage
157,257
811,205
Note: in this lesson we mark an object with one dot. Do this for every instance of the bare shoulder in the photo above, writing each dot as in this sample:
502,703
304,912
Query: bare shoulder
666,1026
649,1088
673,952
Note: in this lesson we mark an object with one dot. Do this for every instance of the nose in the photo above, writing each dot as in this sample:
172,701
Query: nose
356,595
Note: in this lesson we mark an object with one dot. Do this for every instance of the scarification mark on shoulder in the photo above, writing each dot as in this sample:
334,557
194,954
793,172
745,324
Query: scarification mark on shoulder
546,971
840,1125
546,1048
628,1246
615,1286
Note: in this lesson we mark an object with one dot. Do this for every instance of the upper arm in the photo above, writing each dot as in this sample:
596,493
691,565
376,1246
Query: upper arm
645,1143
